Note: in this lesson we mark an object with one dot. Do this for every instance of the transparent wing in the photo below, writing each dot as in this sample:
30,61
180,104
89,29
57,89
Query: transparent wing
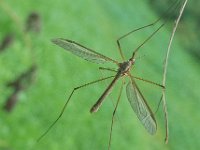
140,107
82,51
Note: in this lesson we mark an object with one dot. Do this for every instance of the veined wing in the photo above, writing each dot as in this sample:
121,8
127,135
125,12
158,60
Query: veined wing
140,107
82,51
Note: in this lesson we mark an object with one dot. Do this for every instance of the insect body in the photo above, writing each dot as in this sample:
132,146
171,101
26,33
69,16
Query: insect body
134,95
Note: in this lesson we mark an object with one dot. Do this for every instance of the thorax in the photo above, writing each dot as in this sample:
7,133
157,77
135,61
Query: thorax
125,67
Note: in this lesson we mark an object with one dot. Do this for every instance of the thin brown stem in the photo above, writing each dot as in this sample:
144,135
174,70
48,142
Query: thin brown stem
165,70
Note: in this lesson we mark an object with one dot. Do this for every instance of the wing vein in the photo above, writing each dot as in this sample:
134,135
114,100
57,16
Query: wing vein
140,106
82,51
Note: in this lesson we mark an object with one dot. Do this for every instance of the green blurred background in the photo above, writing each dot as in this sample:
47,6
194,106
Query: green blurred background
97,24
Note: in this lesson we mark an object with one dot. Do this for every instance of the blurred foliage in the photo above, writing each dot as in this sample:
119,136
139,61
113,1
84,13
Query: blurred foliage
96,24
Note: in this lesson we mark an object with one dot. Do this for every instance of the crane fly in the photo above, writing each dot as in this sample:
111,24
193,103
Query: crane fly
134,95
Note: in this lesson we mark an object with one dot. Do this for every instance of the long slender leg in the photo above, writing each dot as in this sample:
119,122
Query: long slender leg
148,38
108,69
113,115
148,25
63,109
120,50
127,34
148,81
158,104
